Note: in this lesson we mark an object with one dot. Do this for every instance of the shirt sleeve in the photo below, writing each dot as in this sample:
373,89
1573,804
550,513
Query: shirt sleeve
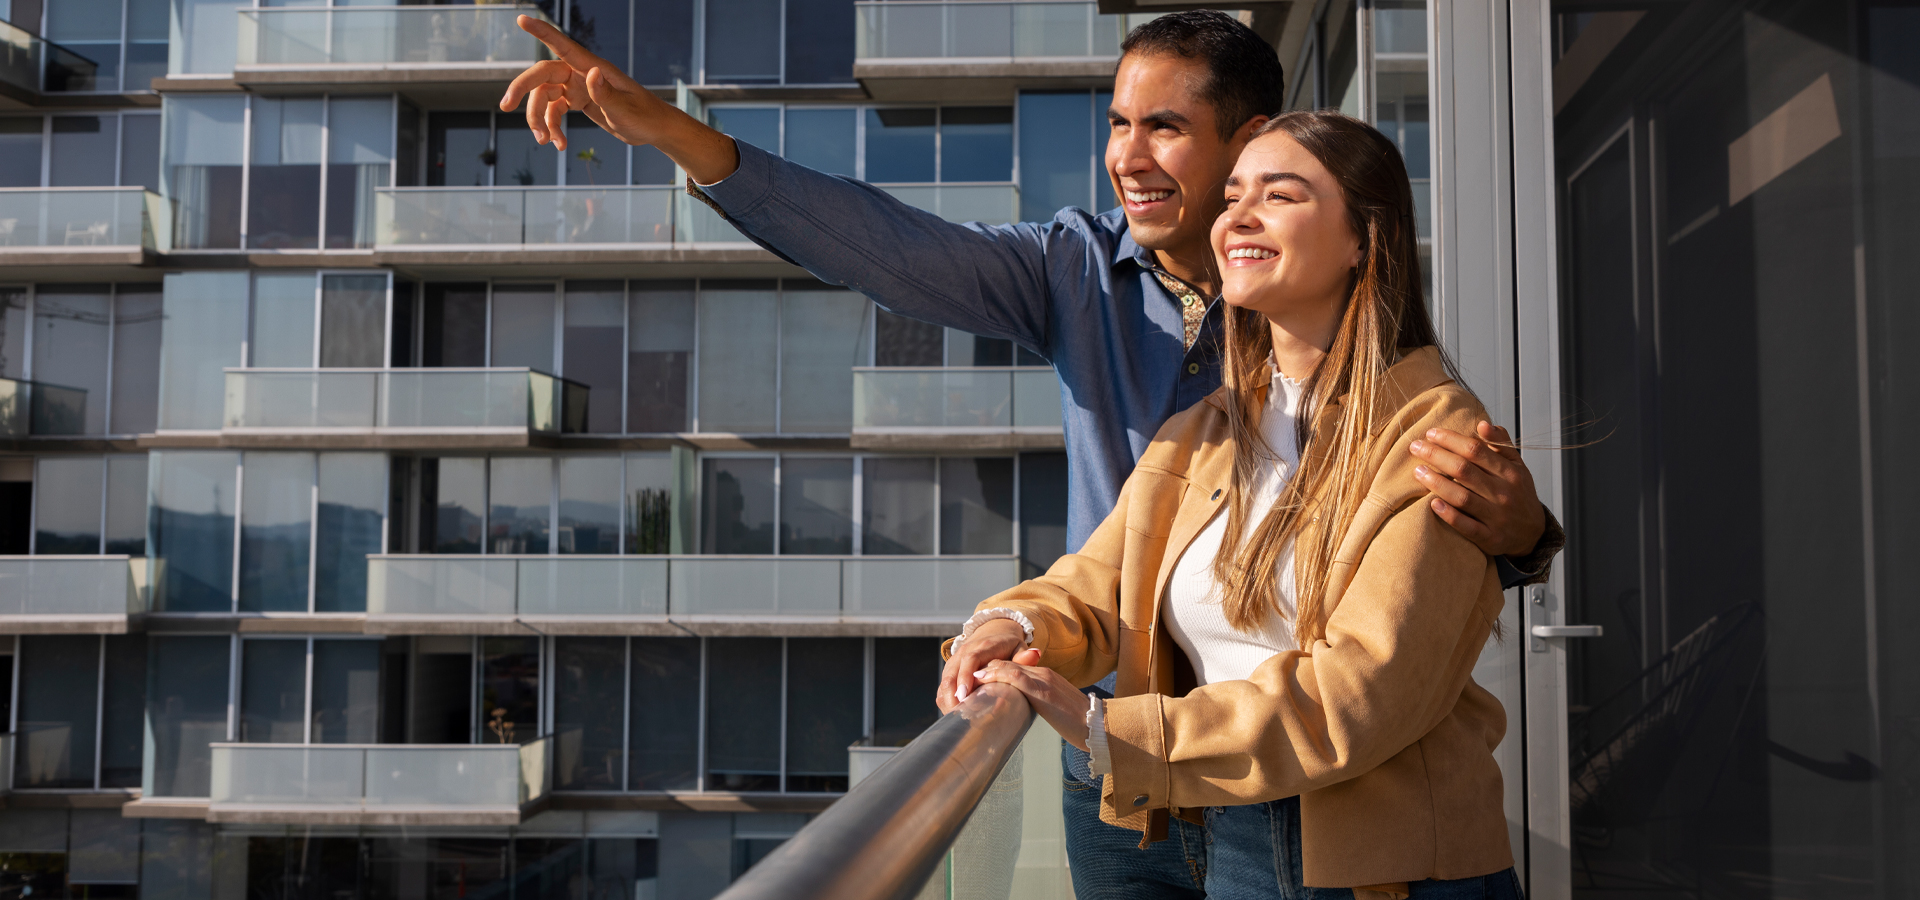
990,280
1537,565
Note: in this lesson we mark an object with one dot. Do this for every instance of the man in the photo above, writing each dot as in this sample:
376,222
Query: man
1122,304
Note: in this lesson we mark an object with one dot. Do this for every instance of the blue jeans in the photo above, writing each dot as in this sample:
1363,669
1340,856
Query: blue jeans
1254,854
1107,862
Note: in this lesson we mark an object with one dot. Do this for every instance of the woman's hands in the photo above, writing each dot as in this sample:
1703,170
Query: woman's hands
994,639
1053,697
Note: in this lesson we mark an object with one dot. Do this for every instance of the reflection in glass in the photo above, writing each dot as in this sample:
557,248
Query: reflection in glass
743,698
193,510
523,326
738,353
976,143
206,315
186,710
359,142
900,145
346,692
596,319
123,720
477,865
509,690
594,157
823,710
906,674
353,320
816,505
352,505
273,691
587,696
519,496
649,503
822,139
276,518
659,353
136,358
455,489
205,146
736,497
521,162
283,192
976,504
66,517
663,742
896,506
459,149
589,511
282,320
59,693
70,323
823,335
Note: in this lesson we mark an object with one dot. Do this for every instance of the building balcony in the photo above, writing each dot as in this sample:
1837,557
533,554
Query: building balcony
31,65
384,45
902,43
709,595
82,226
952,407
400,408
379,784
71,594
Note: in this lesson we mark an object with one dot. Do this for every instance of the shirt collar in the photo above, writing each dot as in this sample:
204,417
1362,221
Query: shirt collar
1130,250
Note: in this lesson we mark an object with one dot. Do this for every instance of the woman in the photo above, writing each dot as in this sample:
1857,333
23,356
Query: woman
1293,627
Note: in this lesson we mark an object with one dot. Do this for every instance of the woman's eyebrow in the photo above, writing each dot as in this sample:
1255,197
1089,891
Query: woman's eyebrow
1273,178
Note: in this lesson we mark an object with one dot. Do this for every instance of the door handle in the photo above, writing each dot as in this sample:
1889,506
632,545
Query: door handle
1566,631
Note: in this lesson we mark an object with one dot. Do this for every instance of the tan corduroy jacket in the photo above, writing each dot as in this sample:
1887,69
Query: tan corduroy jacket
1378,727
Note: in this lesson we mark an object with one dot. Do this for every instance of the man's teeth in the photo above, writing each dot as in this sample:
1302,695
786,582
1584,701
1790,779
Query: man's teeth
1250,253
1147,196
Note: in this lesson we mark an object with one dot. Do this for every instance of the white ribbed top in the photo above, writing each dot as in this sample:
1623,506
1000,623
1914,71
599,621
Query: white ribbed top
1192,602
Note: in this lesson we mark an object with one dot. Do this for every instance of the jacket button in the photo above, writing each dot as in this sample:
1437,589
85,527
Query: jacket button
1216,494
1140,800
1193,368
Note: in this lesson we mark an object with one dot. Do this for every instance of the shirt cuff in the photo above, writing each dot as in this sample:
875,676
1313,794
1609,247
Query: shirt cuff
743,190
1099,760
987,615
1536,566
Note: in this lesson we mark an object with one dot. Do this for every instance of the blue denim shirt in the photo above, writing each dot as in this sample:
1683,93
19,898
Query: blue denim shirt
1077,291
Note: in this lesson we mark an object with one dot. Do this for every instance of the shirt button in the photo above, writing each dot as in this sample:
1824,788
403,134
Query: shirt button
1193,368
1140,800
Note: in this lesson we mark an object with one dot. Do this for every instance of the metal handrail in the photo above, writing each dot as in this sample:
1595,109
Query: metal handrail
883,839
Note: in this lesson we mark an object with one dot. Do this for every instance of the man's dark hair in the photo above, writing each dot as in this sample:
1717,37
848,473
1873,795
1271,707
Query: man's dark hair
1244,75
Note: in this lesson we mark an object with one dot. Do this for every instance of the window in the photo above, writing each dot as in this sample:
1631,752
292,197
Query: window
339,705
1063,137
202,165
738,362
449,502
660,357
193,520
593,342
77,730
207,316
900,144
186,711
110,46
96,350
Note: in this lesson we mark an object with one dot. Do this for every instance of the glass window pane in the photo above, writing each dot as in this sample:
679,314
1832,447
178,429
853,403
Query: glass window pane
353,494
70,350
743,41
650,503
738,327
66,517
650,166
146,60
523,326
663,50
83,20
454,325
965,349
604,28
127,505
146,21
906,674
359,150
587,696
455,488
664,740
13,332
83,150
976,143
283,200
976,504
83,66
822,139
659,352
206,315
520,494
353,320
1043,511
896,505
20,138
123,722
824,714
193,509
283,319
816,505
59,693
186,710
736,500
900,145
136,358
521,162
276,520
509,689
823,335
819,42
442,691
589,516
459,149
346,692
273,691
900,341
1056,152
743,700
592,344
205,140
594,157
758,126
1103,196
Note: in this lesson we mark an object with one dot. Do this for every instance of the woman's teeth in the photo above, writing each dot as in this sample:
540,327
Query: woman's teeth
1250,253
1146,196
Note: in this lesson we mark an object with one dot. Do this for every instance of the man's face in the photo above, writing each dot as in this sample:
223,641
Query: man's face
1164,152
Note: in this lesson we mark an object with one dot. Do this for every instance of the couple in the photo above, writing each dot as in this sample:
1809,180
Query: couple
1289,550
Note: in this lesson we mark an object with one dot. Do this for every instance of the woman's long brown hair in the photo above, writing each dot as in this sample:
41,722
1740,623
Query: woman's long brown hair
1385,316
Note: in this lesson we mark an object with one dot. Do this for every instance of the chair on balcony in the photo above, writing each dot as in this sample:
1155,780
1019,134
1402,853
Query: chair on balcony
86,234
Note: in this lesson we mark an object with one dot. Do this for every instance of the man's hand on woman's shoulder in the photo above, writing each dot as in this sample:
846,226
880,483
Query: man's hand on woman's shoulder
1482,488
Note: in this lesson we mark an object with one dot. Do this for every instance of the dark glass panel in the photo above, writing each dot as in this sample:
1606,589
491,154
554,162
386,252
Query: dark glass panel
59,696
588,692
454,326
816,505
346,692
823,710
509,689
592,343
123,718
1043,511
743,709
906,673
976,143
820,36
736,497
976,505
900,341
659,352
897,505
664,734
273,691
900,145
1056,152
186,710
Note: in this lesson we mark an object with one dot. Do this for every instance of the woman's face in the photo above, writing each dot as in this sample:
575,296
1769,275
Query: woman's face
1284,245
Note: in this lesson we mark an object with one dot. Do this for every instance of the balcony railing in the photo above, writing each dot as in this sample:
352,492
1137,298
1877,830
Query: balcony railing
538,588
954,400
971,30
397,784
587,216
38,408
33,63
403,401
72,593
292,37
69,219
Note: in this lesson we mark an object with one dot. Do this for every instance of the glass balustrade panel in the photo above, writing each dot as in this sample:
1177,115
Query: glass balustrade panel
924,587
301,399
64,587
288,775
1036,399
754,586
398,775
438,586
1052,29
593,587
73,218
424,398
454,216
979,29
911,31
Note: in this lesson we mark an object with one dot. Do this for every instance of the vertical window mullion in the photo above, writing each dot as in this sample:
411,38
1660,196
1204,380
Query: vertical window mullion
693,378
99,711
779,482
306,723
866,692
326,139
783,715
626,714
700,762
313,532
233,688
1019,462
239,510
626,356
938,462
859,505
246,166
113,317
105,483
